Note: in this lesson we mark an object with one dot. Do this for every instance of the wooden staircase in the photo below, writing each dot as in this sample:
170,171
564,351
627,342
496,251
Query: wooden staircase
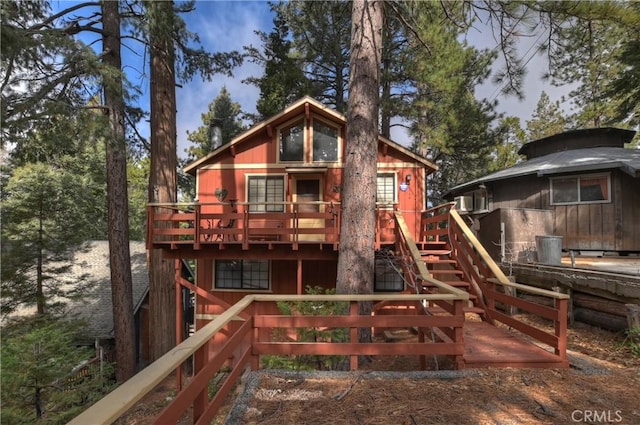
440,264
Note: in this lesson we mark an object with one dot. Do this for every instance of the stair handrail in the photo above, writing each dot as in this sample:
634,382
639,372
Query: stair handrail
117,402
482,252
410,245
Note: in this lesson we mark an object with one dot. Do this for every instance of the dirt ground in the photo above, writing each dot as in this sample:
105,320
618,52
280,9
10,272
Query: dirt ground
602,386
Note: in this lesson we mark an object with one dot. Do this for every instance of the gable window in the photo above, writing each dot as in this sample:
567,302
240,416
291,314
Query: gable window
386,278
386,188
308,142
581,189
242,274
265,189
325,142
292,142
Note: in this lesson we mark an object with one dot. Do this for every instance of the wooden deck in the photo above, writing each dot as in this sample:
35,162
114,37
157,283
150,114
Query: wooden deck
491,346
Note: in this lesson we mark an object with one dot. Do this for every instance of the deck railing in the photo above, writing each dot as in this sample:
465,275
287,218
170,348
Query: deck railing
245,340
238,223
492,287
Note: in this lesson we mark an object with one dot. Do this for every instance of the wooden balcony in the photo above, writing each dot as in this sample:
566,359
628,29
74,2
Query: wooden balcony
198,226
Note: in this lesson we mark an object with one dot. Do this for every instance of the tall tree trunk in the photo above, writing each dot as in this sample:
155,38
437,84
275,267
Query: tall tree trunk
357,232
117,199
163,174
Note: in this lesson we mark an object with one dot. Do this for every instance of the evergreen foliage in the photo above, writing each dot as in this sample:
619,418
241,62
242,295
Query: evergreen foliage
44,376
546,120
224,112
283,80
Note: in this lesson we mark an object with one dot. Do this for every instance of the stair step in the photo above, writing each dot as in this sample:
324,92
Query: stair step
454,283
427,252
474,309
438,260
446,271
431,243
465,309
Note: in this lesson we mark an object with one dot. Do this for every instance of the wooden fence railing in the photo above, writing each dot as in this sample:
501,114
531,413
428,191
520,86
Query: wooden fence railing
252,339
492,287
197,224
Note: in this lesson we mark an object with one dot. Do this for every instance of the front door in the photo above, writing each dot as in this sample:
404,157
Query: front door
307,193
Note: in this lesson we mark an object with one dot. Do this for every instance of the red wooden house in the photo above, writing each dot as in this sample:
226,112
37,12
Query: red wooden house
271,202
267,224
267,221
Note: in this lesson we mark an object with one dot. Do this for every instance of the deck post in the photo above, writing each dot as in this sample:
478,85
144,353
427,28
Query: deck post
458,333
202,399
255,359
179,318
353,333
561,327
197,225
299,278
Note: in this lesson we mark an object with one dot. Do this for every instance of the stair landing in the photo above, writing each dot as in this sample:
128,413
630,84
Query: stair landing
490,346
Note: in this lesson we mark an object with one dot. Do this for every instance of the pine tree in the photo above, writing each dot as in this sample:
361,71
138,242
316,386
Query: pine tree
321,32
117,197
587,56
356,259
546,120
222,111
38,373
283,80
512,137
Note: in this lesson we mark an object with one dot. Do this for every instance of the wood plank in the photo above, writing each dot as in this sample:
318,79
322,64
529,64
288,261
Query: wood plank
595,226
531,307
378,321
489,346
367,349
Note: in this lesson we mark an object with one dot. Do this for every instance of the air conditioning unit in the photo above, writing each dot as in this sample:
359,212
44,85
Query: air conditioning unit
464,203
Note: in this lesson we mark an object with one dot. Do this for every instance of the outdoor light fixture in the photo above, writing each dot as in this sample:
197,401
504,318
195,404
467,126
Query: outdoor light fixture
407,179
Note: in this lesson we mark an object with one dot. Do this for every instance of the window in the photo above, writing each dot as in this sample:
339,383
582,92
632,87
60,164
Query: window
386,188
292,143
480,200
580,189
320,144
387,278
325,142
242,274
262,189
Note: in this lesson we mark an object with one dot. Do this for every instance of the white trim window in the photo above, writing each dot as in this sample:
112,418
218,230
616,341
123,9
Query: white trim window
291,142
584,189
325,142
386,188
314,141
262,189
242,275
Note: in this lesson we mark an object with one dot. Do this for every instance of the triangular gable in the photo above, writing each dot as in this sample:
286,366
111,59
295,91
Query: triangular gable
306,105
290,111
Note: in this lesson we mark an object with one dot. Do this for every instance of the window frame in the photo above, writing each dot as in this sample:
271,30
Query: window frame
381,263
578,179
394,175
290,124
280,206
308,140
242,288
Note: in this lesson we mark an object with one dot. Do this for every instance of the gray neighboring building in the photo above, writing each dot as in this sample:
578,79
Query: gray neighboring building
91,265
582,185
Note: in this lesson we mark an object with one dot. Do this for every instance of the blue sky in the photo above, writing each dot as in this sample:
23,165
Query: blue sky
230,25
